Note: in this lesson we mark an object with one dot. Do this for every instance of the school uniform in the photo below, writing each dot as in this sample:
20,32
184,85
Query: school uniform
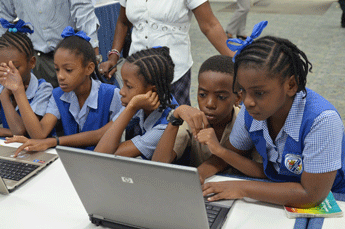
38,94
311,140
99,108
199,152
151,129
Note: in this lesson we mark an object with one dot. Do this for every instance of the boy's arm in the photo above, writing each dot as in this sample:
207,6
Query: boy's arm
210,167
230,154
165,148
195,119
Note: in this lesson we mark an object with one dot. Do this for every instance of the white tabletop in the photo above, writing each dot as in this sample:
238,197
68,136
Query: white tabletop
49,200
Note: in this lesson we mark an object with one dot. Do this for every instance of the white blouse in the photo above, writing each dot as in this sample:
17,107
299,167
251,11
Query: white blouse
163,23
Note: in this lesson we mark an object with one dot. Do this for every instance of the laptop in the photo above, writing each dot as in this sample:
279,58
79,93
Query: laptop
122,192
16,171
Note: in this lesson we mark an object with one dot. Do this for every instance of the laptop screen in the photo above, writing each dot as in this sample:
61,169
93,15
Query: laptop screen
136,192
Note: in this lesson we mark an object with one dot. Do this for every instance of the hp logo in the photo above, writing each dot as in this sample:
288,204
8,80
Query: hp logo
127,180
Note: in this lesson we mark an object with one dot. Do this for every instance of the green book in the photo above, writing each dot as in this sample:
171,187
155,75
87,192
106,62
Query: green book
328,208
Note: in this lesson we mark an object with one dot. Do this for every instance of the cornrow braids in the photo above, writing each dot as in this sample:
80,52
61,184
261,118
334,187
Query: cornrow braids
218,63
17,40
157,68
276,56
81,47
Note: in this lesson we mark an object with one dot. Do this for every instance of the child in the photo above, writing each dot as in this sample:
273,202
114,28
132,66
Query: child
16,48
83,104
218,111
146,97
299,134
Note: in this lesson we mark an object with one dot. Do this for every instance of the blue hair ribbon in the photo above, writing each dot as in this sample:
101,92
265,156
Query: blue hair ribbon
19,26
257,30
69,31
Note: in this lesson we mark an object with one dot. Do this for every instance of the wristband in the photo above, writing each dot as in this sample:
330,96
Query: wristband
114,51
57,140
173,120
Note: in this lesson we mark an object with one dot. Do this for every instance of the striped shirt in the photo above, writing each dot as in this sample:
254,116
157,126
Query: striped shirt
50,17
322,145
147,142
40,95
80,115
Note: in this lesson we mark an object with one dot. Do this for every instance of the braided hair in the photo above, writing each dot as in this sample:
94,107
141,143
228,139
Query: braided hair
83,48
17,40
277,56
157,68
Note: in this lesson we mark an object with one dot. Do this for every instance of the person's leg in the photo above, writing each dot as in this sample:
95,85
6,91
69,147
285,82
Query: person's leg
240,15
342,6
45,69
180,89
245,5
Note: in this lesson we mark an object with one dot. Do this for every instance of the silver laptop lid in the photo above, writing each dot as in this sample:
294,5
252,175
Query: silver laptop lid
3,187
135,191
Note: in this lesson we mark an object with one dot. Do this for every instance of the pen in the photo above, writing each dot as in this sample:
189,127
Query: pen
118,62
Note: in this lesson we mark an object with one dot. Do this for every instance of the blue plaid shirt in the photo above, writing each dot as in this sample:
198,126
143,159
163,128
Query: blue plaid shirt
50,17
322,150
147,142
40,95
80,115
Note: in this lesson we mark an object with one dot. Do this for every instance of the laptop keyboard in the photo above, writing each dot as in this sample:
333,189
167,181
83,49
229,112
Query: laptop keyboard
212,212
14,170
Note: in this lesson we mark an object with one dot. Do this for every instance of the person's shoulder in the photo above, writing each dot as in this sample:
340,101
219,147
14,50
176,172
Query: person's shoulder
57,91
42,84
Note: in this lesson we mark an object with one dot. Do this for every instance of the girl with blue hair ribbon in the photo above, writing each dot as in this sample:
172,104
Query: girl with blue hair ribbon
16,51
298,133
84,105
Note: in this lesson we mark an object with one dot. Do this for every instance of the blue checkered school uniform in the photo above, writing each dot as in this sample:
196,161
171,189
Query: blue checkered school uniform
311,140
99,108
149,130
38,94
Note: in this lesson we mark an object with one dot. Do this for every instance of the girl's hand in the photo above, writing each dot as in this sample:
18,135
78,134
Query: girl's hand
31,144
148,101
10,77
195,118
208,137
223,190
16,138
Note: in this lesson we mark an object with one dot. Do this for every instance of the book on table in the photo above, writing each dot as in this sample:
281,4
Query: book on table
328,208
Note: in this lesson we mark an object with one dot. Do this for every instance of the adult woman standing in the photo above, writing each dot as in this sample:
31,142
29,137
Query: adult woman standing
166,23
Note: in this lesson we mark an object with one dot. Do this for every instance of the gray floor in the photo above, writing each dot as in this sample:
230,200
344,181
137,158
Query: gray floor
319,36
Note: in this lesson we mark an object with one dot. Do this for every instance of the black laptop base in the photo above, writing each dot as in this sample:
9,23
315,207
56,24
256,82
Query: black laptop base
217,223
110,224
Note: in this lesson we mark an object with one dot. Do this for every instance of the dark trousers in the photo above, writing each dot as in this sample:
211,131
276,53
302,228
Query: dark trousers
180,89
44,67
342,6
